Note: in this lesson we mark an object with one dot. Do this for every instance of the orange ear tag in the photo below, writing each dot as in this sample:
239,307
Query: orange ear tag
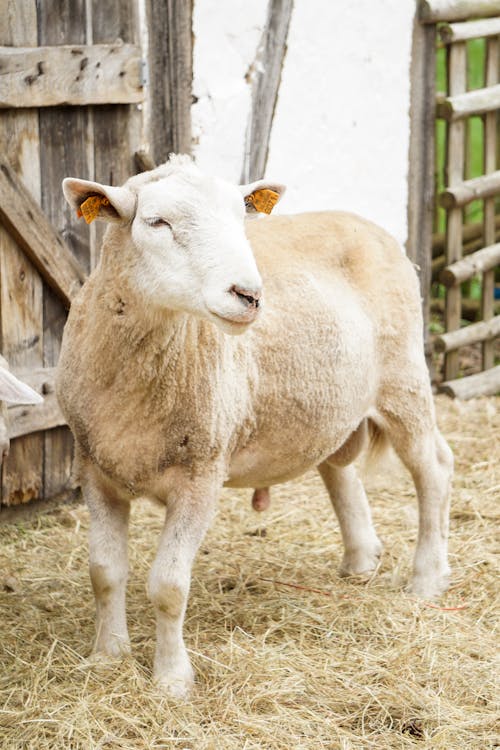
263,200
90,207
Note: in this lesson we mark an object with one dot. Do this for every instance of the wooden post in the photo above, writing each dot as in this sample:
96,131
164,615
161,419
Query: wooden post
490,156
421,161
170,76
21,288
457,76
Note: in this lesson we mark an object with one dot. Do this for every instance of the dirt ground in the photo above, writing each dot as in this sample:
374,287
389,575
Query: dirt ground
287,654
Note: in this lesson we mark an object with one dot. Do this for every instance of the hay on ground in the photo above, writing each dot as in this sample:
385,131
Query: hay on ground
287,654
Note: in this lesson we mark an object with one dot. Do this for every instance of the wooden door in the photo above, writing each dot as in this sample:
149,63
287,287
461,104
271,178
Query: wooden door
70,104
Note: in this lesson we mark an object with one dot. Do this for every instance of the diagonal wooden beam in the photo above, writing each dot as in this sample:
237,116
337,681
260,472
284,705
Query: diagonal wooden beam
28,225
265,77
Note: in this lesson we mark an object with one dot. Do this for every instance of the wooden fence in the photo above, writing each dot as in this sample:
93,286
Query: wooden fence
466,251
73,82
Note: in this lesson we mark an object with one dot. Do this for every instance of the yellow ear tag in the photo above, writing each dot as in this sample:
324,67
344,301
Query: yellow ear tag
90,207
263,200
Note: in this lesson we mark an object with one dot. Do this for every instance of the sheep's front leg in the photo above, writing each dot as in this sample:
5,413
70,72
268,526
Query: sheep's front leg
108,566
187,519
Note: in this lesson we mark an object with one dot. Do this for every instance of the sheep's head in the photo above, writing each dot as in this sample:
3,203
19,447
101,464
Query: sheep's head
187,229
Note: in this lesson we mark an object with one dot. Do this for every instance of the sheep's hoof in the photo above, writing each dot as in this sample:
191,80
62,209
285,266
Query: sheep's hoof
113,650
174,686
177,679
361,562
429,587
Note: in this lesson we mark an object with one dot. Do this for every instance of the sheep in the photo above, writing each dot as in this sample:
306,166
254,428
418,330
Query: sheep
178,376
14,391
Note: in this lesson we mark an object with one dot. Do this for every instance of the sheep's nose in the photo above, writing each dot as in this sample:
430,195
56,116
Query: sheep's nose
249,297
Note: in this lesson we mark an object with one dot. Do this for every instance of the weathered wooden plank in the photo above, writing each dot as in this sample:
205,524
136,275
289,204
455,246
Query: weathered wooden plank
266,77
170,77
490,164
467,191
21,328
475,102
460,32
485,383
77,75
22,419
434,11
118,128
64,137
482,331
457,78
421,161
29,226
464,269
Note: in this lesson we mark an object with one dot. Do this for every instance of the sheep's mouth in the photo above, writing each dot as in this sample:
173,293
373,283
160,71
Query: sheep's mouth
229,324
234,320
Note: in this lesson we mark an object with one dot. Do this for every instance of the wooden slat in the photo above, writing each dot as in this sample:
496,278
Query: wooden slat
472,334
434,11
460,32
475,102
266,79
470,308
170,40
470,190
421,161
470,233
77,75
118,128
490,164
464,269
21,287
29,226
457,77
65,138
439,262
23,420
485,383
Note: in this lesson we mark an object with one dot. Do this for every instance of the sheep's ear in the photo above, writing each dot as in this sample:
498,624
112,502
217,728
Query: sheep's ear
262,196
13,391
94,201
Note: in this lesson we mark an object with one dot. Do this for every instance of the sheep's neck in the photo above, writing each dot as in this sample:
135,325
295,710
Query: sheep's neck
141,344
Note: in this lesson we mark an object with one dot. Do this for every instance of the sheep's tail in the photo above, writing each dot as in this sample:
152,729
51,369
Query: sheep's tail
378,445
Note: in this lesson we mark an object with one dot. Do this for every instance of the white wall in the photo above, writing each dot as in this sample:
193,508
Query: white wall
227,34
341,128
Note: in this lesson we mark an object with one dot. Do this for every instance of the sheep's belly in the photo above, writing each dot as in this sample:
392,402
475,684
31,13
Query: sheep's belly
271,462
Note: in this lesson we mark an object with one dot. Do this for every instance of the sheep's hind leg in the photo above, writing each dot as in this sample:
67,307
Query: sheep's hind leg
409,422
362,547
108,567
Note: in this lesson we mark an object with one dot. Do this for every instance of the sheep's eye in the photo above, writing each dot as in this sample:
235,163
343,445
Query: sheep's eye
157,221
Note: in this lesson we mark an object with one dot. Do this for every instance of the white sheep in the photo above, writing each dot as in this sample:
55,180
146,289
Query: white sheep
164,404
13,391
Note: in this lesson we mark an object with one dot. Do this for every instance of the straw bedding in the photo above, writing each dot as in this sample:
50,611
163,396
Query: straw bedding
287,654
